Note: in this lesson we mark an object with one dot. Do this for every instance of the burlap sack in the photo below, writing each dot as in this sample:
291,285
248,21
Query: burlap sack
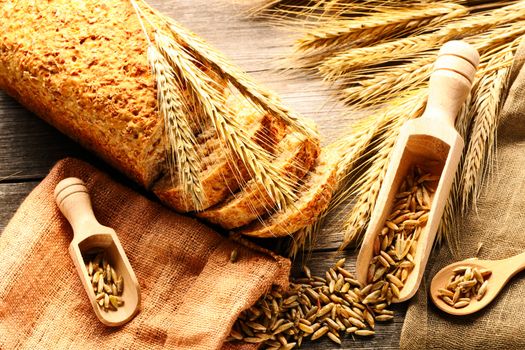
499,224
191,292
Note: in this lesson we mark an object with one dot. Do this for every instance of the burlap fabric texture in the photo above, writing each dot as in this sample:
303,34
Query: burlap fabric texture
499,225
191,292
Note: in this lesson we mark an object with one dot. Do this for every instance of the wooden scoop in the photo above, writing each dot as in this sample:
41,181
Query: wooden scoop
432,143
72,198
502,272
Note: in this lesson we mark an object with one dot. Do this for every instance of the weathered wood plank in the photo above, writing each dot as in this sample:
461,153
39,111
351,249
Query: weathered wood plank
11,196
29,145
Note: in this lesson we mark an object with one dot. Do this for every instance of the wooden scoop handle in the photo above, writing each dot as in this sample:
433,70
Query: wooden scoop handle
451,81
72,198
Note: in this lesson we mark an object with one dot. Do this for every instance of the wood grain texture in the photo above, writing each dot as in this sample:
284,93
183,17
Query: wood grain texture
29,147
11,196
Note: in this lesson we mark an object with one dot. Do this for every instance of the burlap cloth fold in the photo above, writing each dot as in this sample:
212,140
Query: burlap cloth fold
191,292
499,225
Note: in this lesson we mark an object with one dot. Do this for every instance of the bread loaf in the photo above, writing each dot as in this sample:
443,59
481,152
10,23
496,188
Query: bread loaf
82,66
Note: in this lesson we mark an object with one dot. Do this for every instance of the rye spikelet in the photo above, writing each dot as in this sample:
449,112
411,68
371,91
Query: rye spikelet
380,25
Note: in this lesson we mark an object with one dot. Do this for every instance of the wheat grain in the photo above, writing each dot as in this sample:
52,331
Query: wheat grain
313,307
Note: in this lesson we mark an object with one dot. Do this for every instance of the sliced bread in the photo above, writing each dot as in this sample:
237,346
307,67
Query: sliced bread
314,198
295,156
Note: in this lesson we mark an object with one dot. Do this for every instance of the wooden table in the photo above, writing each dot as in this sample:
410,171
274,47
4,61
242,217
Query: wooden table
30,147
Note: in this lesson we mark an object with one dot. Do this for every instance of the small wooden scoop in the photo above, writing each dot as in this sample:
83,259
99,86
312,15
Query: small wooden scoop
72,198
432,143
502,272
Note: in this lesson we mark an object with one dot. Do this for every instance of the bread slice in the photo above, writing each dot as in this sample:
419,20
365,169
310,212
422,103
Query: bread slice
314,198
219,176
295,156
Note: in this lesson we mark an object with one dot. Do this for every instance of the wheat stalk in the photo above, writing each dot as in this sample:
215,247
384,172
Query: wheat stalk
199,74
448,224
387,84
383,24
332,68
495,62
390,82
184,162
229,73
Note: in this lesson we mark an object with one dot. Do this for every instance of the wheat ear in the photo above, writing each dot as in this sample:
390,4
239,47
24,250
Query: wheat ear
372,55
182,155
367,30
183,161
498,59
254,157
387,84
480,151
390,82
447,230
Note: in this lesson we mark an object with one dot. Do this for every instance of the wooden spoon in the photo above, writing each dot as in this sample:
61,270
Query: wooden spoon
432,143
502,272
72,198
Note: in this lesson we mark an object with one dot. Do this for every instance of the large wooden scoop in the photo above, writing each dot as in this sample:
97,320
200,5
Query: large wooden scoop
432,143
90,236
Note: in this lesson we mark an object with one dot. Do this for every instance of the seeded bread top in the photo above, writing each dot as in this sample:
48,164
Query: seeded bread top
82,66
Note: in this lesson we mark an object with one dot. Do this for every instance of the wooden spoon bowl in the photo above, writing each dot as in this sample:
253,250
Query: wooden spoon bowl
502,272
90,236
431,143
